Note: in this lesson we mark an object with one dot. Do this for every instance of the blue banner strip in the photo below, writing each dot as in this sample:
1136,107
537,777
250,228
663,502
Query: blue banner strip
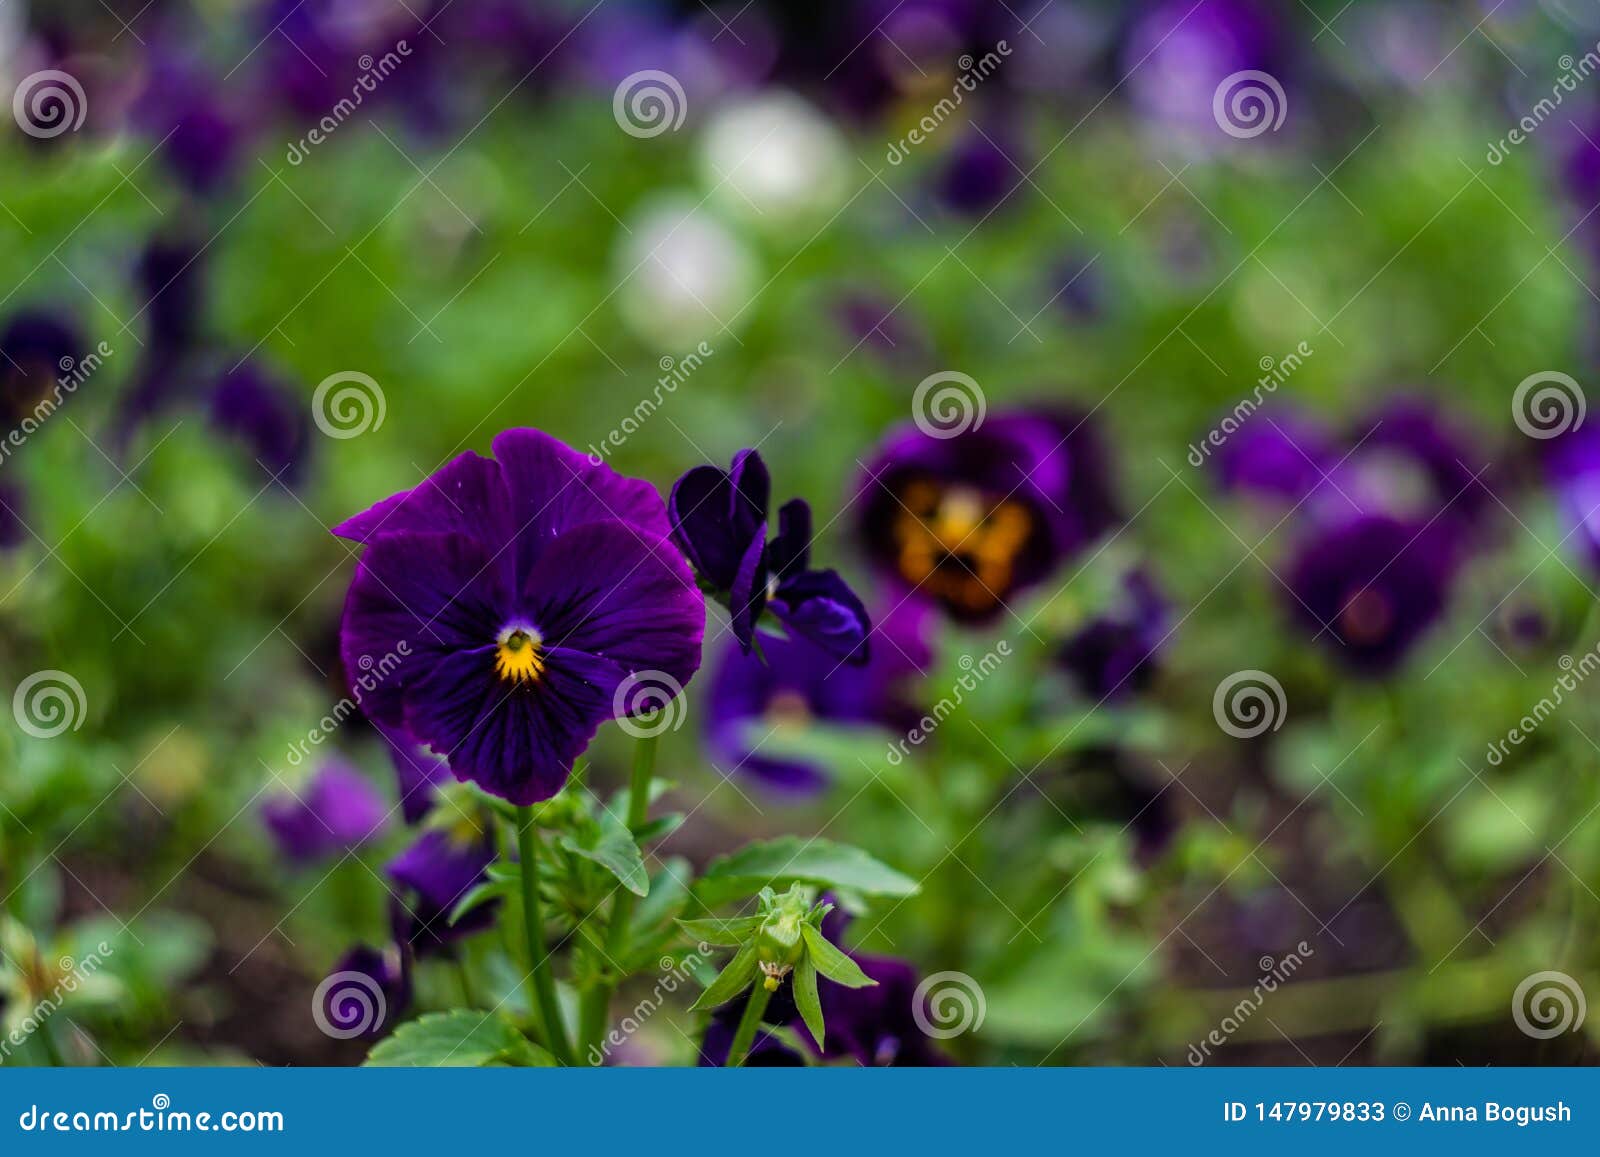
757,1111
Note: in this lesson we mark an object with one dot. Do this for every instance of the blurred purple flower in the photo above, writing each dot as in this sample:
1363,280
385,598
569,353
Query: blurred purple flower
367,989
37,348
437,871
970,520
335,811
1370,586
1112,655
418,771
251,405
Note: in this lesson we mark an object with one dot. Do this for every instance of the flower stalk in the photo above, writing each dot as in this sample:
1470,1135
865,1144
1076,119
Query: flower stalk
595,1011
542,981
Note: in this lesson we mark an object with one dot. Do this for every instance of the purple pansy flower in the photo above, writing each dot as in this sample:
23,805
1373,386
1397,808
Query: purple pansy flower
335,811
1112,655
1277,453
970,520
719,518
527,588
438,870
262,413
1178,52
182,107
1372,582
1572,470
980,173
750,700
367,989
37,347
1417,464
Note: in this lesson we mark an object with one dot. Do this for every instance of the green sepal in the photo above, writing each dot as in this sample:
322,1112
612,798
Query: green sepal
731,981
832,963
806,998
729,933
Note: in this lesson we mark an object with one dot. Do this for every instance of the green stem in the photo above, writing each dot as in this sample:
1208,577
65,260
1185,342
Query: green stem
748,1023
595,1008
542,980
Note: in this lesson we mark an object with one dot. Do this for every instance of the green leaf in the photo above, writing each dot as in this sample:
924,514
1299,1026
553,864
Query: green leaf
832,963
609,843
730,933
659,828
806,998
478,896
732,980
790,859
461,1039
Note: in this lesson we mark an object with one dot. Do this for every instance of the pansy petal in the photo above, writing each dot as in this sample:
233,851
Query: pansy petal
752,490
698,511
515,740
465,496
748,598
553,488
415,595
820,606
790,552
617,593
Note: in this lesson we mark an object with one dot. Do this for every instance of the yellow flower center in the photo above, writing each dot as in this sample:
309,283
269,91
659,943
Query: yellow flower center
958,546
517,656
